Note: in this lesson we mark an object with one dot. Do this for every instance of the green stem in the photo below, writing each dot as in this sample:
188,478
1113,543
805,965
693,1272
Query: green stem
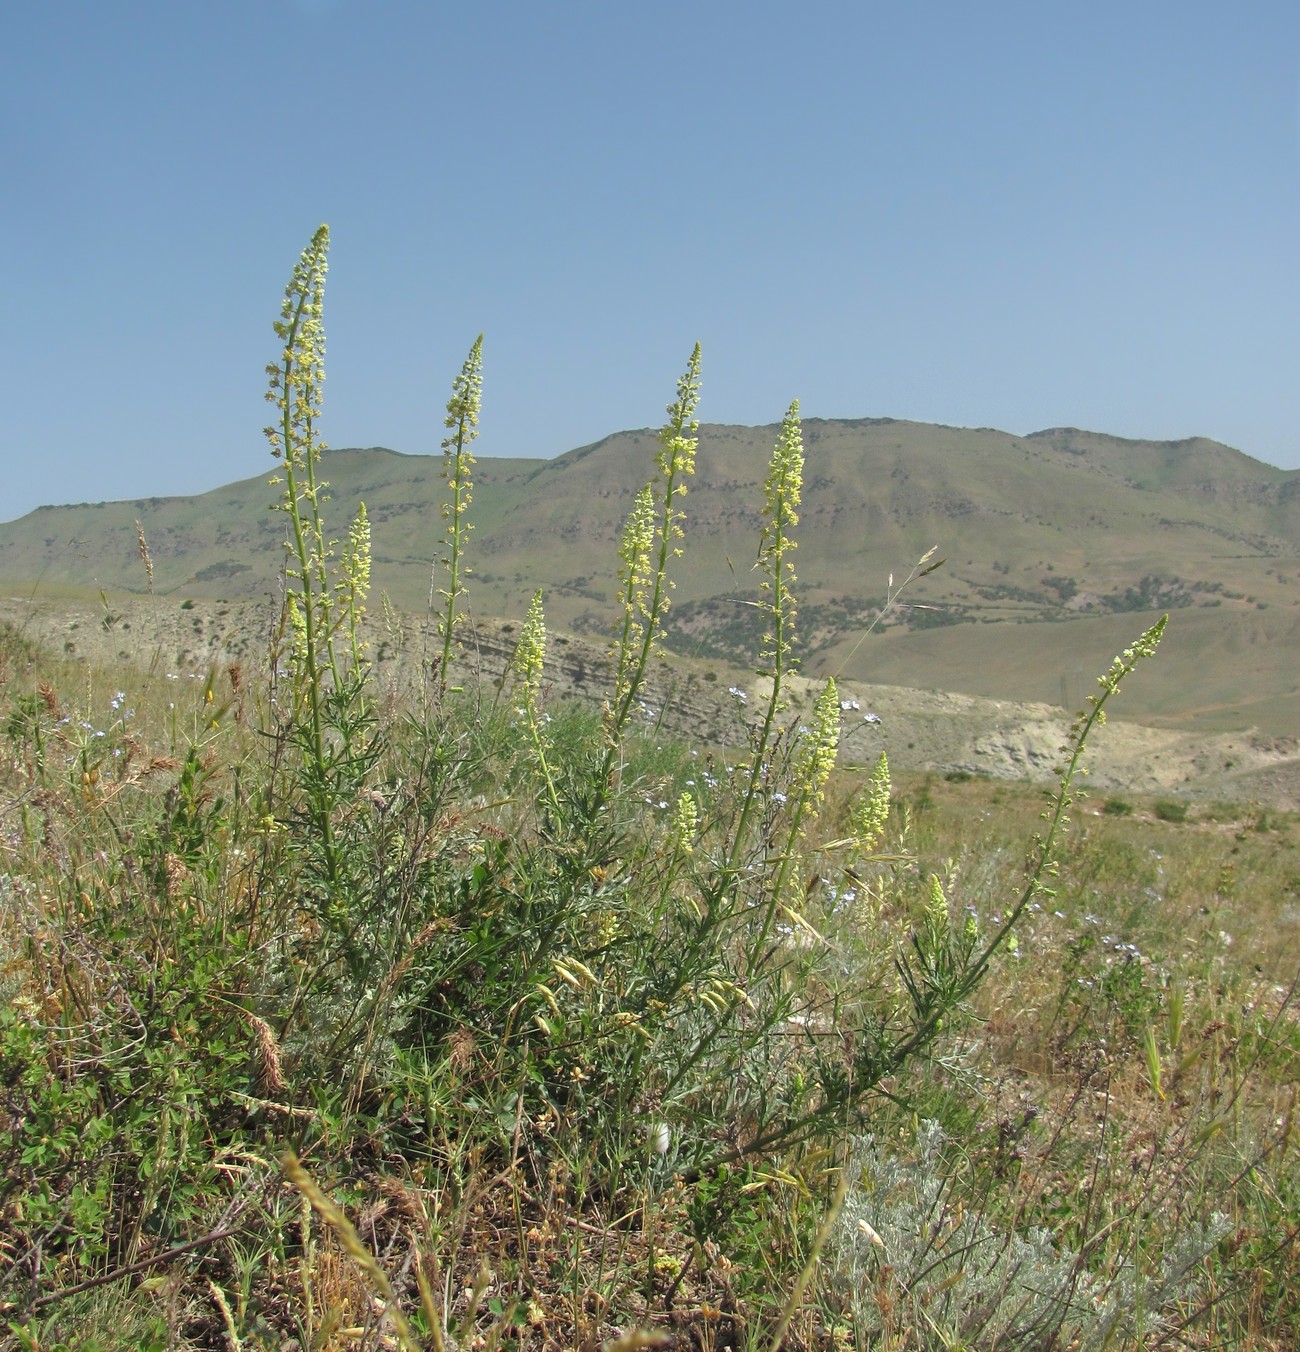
453,563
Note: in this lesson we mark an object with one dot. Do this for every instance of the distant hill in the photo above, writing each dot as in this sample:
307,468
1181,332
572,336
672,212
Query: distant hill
1059,547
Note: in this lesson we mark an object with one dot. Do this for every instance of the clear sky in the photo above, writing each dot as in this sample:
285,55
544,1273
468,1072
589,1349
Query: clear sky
1017,215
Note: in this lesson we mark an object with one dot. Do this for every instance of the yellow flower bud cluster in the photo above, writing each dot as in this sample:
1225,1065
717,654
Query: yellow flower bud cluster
530,656
871,812
685,824
818,759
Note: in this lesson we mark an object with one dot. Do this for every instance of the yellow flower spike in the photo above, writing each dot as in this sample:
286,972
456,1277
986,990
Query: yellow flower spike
870,814
646,548
818,759
528,664
685,824
530,656
462,421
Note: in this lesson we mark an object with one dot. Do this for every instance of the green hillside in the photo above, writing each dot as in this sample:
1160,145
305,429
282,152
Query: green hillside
1053,543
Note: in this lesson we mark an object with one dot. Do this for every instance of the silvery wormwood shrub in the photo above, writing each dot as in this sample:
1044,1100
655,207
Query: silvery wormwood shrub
918,1269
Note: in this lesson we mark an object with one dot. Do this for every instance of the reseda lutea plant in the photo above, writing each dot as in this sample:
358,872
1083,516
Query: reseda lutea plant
546,981
458,463
321,604
719,939
649,543
598,960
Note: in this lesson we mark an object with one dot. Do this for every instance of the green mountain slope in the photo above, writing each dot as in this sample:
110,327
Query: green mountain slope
1057,547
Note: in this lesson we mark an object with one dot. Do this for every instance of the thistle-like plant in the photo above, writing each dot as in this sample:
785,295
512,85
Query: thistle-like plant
457,462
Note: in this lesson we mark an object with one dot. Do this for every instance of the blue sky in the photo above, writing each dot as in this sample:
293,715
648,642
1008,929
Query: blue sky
1008,215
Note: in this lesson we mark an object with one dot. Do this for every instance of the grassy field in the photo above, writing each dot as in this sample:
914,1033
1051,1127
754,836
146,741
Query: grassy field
1125,1073
445,1013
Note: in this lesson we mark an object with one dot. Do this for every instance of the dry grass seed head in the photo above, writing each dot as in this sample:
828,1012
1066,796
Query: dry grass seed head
461,1046
394,977
406,1199
270,1065
177,876
144,555
49,698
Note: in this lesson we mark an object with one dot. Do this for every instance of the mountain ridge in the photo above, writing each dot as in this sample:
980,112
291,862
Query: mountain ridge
1062,527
